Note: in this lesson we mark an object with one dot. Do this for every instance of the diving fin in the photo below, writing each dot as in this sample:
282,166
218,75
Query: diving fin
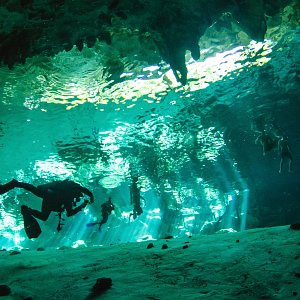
31,225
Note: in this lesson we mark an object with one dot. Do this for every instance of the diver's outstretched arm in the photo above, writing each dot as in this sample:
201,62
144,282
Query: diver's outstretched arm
89,193
4,188
73,211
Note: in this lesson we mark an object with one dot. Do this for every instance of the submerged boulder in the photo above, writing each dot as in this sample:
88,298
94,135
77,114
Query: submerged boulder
4,290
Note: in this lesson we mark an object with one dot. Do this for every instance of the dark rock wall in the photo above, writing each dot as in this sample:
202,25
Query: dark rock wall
31,28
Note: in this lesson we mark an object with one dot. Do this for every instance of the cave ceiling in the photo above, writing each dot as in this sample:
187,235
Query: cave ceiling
131,34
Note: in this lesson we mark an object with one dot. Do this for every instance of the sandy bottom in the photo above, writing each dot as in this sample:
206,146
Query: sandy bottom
254,264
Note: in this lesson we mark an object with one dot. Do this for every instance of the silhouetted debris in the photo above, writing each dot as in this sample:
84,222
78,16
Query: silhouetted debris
15,252
297,274
102,284
295,226
185,246
169,237
164,246
150,246
4,290
295,293
40,249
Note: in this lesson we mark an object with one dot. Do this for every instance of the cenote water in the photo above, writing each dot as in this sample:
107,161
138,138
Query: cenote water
192,147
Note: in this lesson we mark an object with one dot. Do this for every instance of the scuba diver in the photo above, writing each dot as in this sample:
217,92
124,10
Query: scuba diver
285,152
106,210
267,141
135,198
58,196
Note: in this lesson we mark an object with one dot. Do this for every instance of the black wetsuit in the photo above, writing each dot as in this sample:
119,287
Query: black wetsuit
106,209
285,150
57,196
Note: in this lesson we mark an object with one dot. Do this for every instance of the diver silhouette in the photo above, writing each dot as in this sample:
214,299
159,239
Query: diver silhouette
106,210
58,196
285,152
267,141
135,198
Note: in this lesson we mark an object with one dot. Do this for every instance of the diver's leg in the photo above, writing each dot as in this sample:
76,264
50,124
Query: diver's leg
42,215
104,220
30,188
4,188
290,163
264,148
290,166
281,164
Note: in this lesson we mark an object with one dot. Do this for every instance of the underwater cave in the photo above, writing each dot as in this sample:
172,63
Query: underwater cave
169,101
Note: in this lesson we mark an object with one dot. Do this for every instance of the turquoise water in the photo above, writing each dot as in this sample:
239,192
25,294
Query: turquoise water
192,147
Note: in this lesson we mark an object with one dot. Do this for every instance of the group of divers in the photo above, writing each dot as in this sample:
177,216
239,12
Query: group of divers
65,195
271,140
